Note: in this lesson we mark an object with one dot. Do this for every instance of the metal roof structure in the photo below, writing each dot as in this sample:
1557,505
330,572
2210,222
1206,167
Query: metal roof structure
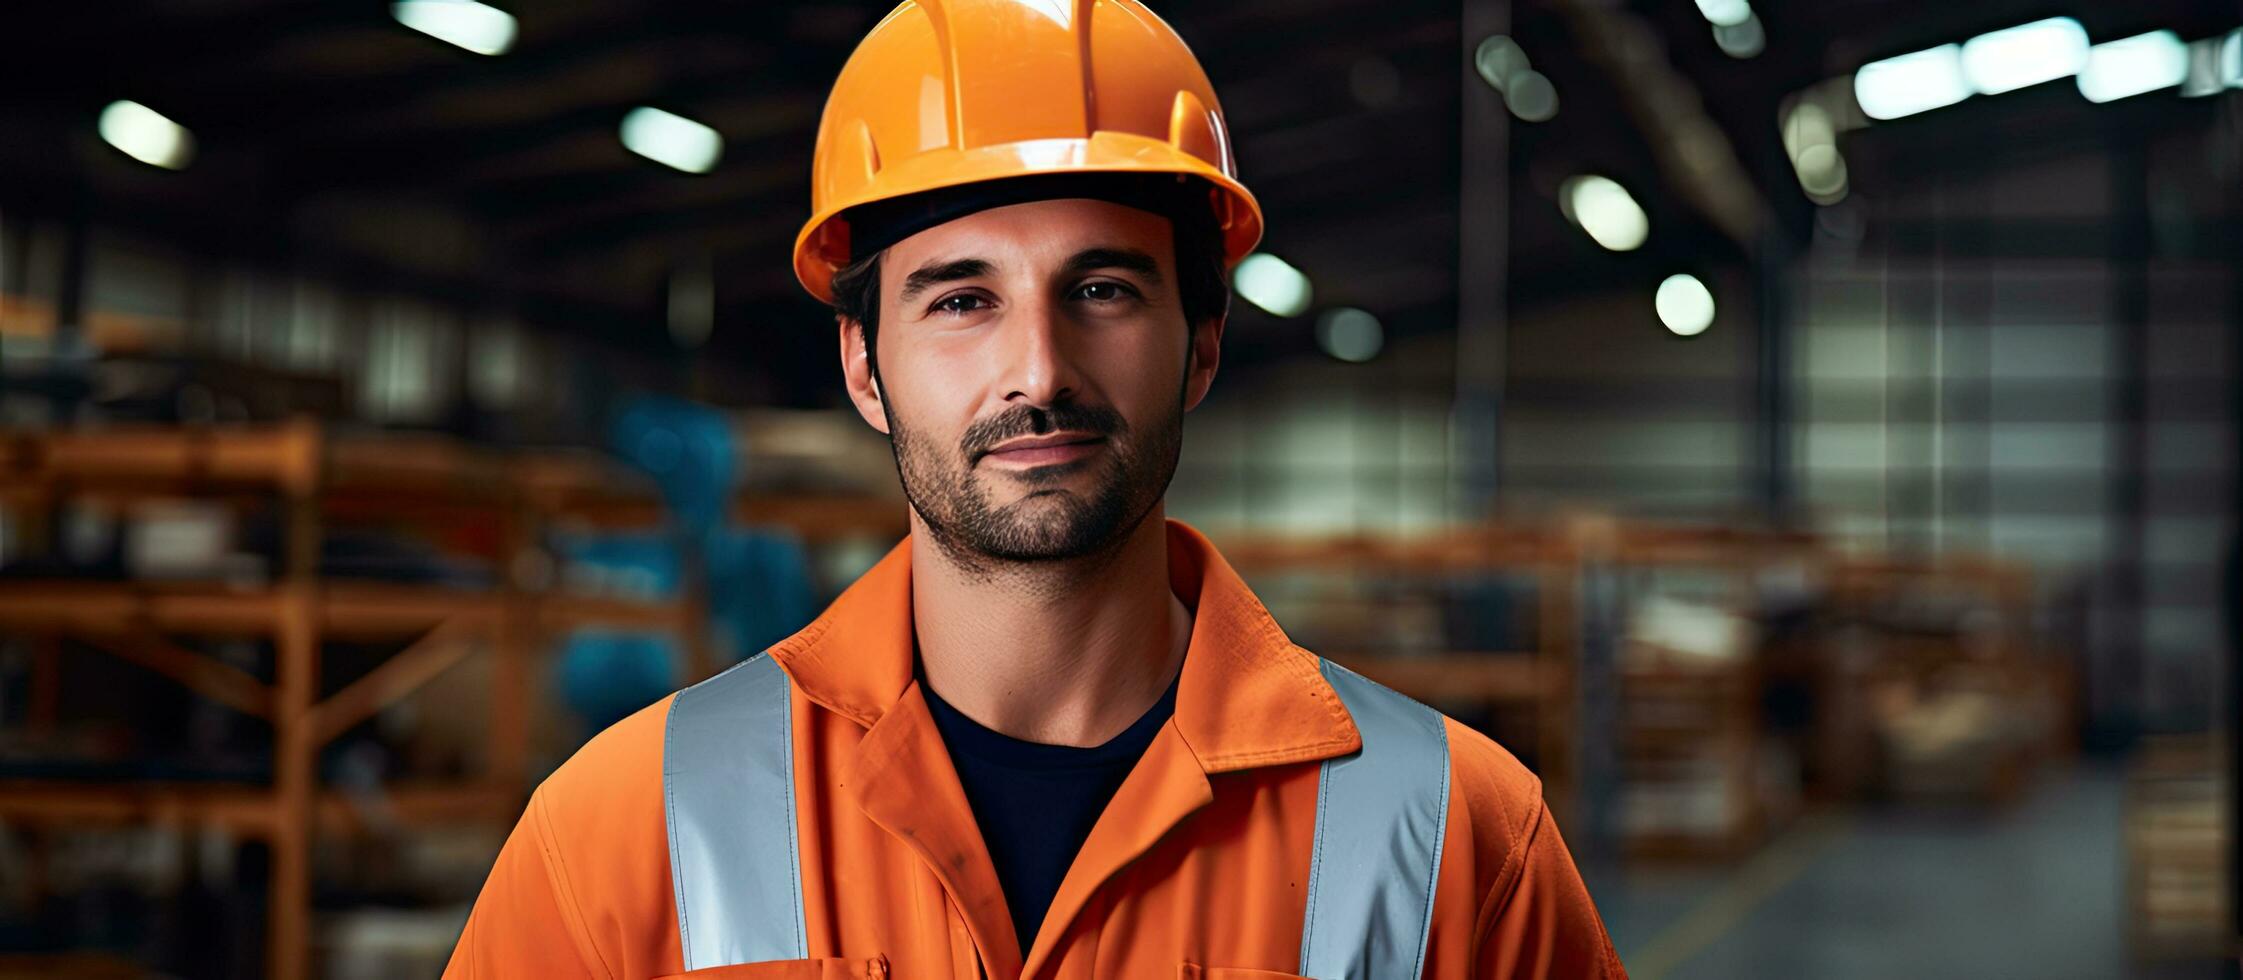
334,141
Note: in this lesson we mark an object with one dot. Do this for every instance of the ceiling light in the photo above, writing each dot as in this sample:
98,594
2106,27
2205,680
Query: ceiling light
2214,64
1531,96
1822,173
1350,334
1807,124
477,27
2028,54
2203,69
1911,83
1272,284
1725,13
1604,209
1741,40
1526,92
1497,59
146,135
673,140
2134,65
1684,305
1810,139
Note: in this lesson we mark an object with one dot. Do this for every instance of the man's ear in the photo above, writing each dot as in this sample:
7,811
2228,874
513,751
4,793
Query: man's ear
857,373
1206,355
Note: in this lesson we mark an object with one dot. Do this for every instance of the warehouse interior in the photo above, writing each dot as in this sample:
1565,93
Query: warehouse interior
1805,434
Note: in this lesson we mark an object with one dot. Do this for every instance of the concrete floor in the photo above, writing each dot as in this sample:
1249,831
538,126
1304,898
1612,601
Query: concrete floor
2034,891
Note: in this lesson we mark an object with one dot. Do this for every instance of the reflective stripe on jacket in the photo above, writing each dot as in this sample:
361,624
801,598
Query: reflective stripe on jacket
797,817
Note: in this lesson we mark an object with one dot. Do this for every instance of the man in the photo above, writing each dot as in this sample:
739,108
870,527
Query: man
1052,734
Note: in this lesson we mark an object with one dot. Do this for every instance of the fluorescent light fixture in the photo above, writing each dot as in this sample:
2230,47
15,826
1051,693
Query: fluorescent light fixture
1811,140
1822,173
477,27
672,140
1497,59
1531,96
1526,92
1741,40
2028,54
1725,13
1272,284
1807,124
1350,334
146,135
1684,305
2134,65
1911,83
2203,69
1603,209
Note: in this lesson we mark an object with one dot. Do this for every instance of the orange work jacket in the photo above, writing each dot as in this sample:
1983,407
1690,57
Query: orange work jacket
1206,864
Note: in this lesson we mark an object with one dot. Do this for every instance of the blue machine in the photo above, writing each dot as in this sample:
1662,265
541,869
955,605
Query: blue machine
759,586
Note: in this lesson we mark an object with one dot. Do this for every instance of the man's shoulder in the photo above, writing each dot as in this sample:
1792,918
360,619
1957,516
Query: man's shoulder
589,861
1494,799
1477,763
613,784
1488,776
1496,793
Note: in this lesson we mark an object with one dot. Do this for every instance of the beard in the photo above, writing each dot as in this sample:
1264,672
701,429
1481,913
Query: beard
1050,522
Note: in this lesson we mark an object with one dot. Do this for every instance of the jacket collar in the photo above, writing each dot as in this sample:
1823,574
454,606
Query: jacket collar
1248,697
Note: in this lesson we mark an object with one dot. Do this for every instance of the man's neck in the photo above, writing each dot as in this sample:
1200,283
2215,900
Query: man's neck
1063,653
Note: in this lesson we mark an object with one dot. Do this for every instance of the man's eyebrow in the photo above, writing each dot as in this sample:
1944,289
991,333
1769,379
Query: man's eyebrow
1128,259
934,273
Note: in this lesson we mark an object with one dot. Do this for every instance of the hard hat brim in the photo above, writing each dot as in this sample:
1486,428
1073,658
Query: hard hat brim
823,246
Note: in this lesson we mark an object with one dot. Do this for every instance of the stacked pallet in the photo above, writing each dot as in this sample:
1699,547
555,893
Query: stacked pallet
1690,745
2177,845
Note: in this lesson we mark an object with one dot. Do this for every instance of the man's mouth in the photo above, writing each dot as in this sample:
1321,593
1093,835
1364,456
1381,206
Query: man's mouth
1045,450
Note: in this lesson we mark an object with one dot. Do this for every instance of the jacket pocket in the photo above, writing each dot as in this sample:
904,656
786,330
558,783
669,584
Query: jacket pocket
829,968
1194,971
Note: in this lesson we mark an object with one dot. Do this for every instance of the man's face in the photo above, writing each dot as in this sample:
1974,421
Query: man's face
1034,372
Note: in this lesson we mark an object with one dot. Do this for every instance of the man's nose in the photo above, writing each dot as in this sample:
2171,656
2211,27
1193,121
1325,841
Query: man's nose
1040,365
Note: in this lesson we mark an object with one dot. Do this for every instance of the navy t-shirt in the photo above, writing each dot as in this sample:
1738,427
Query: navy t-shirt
1036,803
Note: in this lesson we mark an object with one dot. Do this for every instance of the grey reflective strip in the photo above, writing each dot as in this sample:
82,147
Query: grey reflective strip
1381,815
728,794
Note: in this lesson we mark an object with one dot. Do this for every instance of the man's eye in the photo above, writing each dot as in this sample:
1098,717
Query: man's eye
960,303
1103,292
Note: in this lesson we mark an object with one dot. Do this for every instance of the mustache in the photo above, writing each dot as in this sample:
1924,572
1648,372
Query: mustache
1029,420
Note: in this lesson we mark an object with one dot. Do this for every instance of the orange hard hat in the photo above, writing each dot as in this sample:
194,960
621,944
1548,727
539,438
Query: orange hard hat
944,93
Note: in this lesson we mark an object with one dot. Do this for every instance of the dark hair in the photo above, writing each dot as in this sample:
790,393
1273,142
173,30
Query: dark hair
1202,283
